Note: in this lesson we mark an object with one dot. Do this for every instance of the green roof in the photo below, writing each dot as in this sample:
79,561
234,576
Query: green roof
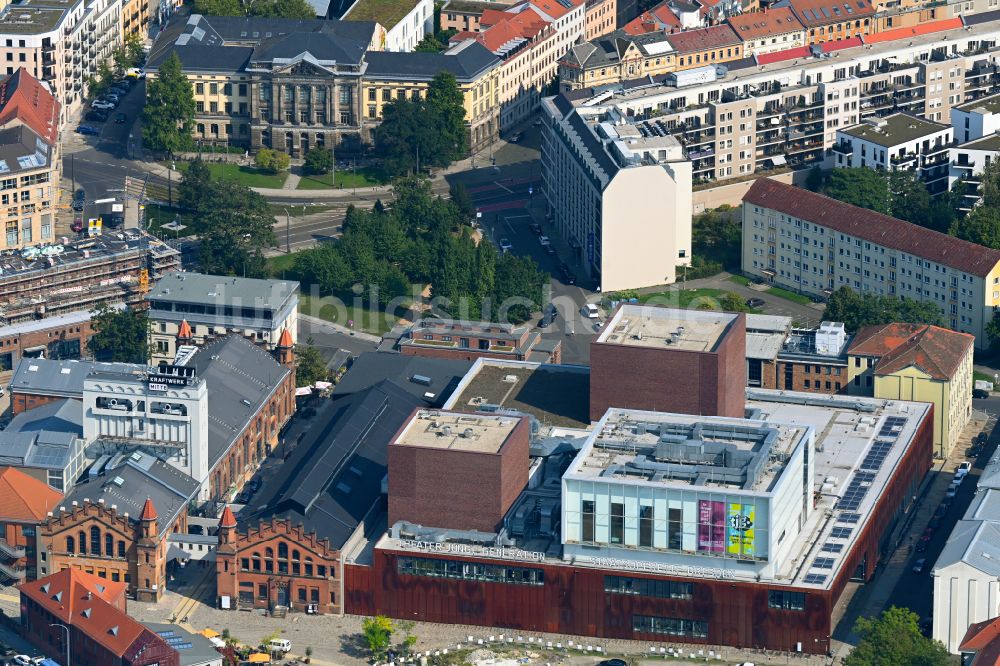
473,6
986,104
386,12
894,130
988,142
32,18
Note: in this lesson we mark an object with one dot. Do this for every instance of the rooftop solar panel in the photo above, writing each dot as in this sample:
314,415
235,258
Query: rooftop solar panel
814,579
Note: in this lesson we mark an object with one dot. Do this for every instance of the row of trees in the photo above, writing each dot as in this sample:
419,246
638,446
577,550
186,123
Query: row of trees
293,9
130,54
859,310
422,239
234,223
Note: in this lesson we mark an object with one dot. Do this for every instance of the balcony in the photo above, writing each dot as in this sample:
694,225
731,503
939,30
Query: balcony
13,552
843,148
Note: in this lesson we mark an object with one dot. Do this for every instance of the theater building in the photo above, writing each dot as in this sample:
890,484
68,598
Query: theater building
673,527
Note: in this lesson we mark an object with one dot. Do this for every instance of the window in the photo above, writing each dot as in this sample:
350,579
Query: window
587,509
786,600
669,626
646,526
109,545
617,523
262,591
70,545
489,573
643,587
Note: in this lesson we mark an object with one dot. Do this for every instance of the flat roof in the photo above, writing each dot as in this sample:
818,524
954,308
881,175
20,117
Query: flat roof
31,17
556,395
38,259
988,142
666,328
989,104
707,452
386,13
202,289
895,129
473,433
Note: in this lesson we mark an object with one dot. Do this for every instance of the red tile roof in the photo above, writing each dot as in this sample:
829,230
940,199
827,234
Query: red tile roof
874,227
94,606
227,519
184,330
23,498
935,351
286,339
920,29
781,56
840,44
703,39
24,98
814,13
658,18
983,638
511,26
755,25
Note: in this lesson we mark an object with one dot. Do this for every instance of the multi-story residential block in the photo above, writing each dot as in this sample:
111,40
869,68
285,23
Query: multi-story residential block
797,99
832,20
529,39
464,15
665,17
766,32
920,363
598,170
30,161
900,142
706,46
24,503
295,85
79,275
391,75
213,305
813,244
60,43
615,58
135,17
444,338
976,126
402,23
601,18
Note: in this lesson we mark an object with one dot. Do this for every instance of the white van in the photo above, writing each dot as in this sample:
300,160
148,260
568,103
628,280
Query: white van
590,311
279,645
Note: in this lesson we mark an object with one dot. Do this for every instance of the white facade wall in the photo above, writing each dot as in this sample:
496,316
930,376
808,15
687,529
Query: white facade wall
963,596
869,154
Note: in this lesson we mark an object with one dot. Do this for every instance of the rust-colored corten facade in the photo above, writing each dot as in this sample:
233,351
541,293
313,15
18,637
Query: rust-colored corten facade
572,599
277,564
454,489
99,540
668,379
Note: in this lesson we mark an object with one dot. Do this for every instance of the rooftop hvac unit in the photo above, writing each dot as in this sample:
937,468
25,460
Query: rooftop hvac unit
421,379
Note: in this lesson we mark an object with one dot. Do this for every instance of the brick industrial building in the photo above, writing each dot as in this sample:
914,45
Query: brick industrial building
91,613
684,360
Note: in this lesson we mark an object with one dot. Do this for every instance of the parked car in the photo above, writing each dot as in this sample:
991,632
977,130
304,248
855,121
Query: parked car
120,118
505,245
918,566
544,240
755,302
963,469
22,660
279,645
114,220
980,394
549,316
617,662
77,225
96,115
549,249
952,491
515,138
135,73
87,130
102,104
536,228
79,197
590,311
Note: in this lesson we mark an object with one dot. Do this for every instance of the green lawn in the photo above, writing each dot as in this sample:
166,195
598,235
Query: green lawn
739,279
981,376
339,312
280,264
157,216
790,295
364,177
386,12
246,175
685,298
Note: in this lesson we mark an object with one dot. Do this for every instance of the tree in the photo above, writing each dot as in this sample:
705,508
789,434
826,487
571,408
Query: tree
716,236
235,231
908,198
318,161
273,161
860,310
981,226
863,187
294,9
894,639
310,366
423,132
409,639
733,302
130,54
119,335
99,83
309,654
195,189
814,179
168,117
993,331
377,632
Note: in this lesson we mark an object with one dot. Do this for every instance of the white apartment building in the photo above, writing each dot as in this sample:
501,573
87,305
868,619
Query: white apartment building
60,43
619,192
900,142
397,33
794,106
814,245
977,130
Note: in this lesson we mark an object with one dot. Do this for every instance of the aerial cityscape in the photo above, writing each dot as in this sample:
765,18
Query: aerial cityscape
499,332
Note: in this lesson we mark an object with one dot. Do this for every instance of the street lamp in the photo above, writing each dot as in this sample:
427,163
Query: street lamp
63,626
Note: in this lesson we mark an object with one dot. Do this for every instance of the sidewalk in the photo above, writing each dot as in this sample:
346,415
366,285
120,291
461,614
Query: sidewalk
322,323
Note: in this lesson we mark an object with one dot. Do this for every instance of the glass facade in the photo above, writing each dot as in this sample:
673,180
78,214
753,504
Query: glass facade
644,587
669,626
489,573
